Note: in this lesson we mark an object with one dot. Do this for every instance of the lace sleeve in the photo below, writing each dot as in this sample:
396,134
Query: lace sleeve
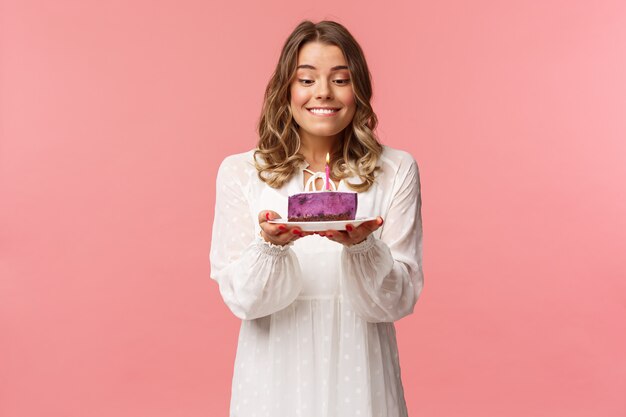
255,277
384,277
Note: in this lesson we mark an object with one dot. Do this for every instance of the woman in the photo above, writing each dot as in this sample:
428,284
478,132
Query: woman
317,336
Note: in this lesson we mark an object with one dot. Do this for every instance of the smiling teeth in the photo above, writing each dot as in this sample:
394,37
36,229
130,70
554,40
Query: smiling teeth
322,111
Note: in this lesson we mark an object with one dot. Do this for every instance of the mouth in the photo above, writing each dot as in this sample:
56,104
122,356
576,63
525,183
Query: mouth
323,111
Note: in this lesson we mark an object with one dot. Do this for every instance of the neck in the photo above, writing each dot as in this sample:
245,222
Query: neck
315,148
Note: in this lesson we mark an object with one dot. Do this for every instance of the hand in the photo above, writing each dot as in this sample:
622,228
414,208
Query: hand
278,234
353,235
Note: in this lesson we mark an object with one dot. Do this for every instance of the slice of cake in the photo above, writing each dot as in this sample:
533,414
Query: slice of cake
320,206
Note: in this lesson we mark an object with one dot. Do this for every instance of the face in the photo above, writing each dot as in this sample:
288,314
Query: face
322,82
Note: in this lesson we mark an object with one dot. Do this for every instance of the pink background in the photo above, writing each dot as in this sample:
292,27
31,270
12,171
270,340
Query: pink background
115,115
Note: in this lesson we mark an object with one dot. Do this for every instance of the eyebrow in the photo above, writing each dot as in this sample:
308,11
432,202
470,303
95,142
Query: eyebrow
335,68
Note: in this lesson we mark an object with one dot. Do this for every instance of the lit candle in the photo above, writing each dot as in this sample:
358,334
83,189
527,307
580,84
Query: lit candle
327,172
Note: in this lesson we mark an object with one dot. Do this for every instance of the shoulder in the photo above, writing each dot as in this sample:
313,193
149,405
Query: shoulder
239,166
400,168
240,160
397,161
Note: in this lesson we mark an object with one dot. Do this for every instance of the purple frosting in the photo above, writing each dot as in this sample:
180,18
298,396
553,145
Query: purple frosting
322,205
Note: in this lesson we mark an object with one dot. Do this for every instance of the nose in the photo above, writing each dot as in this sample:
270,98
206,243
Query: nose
323,90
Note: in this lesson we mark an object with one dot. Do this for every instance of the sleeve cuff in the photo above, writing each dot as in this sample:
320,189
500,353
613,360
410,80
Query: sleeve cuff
271,249
364,246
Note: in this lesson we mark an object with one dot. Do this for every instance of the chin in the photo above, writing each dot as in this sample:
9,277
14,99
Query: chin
326,133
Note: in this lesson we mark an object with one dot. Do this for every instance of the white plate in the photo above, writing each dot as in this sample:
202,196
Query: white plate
321,226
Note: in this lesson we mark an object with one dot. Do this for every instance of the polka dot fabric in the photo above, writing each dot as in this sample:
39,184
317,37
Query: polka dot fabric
317,336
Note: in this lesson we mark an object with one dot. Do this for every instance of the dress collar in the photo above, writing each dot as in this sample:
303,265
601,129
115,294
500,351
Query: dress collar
300,178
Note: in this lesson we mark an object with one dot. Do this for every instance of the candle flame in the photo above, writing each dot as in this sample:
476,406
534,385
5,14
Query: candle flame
327,158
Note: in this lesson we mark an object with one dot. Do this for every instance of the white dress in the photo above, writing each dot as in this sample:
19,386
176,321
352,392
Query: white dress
317,337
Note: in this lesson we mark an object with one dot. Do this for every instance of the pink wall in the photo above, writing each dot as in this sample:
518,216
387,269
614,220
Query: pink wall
115,115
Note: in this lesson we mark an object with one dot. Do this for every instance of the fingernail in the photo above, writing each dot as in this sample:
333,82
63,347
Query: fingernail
329,235
267,215
381,221
282,228
348,228
322,234
296,232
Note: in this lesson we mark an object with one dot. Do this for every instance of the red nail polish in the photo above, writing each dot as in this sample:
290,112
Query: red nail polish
267,215
296,232
282,228
348,228
329,235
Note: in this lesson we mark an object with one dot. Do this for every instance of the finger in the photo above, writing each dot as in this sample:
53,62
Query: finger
337,236
267,215
281,229
356,234
282,237
273,229
372,225
295,233
264,216
332,233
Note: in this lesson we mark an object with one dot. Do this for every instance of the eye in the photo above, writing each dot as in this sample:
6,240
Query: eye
339,82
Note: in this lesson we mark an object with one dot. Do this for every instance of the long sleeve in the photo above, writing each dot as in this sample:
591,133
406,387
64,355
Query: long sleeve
383,276
255,278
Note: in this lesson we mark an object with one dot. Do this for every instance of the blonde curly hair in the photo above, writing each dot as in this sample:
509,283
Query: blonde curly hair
277,155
